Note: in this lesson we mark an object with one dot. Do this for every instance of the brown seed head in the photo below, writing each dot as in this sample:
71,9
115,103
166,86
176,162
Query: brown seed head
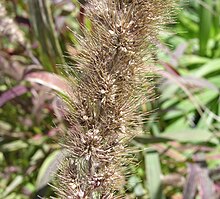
111,78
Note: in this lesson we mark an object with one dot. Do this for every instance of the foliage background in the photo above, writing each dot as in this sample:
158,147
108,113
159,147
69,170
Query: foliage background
178,150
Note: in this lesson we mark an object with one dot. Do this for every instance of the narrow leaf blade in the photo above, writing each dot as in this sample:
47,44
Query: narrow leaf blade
153,171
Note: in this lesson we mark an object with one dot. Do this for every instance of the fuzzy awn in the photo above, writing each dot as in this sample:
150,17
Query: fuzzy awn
106,94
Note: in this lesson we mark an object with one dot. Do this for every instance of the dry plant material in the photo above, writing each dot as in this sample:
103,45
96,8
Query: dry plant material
110,85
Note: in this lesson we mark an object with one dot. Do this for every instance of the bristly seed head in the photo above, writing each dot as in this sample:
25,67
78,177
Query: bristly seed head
111,85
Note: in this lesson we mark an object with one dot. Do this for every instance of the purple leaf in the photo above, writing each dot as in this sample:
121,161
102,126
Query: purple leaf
205,184
191,182
199,179
170,69
49,80
177,54
189,81
12,93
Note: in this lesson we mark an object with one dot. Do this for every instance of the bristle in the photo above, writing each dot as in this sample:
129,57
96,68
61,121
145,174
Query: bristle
111,86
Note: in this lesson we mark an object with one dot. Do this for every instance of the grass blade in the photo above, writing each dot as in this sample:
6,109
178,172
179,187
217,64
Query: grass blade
216,18
12,93
49,168
153,171
191,183
42,22
205,25
13,185
53,81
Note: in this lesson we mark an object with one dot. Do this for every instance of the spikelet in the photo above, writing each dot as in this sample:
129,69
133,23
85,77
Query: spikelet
110,82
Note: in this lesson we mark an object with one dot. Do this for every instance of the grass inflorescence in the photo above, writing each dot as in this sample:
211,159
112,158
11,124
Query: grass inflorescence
110,85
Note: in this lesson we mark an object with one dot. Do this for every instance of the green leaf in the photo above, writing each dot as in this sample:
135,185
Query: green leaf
185,136
210,67
187,24
143,139
191,136
185,106
13,146
178,123
13,185
205,25
44,28
216,18
49,168
153,171
16,196
2,157
133,181
188,60
139,190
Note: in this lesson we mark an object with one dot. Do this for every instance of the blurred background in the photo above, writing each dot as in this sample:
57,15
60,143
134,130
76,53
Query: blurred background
179,151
